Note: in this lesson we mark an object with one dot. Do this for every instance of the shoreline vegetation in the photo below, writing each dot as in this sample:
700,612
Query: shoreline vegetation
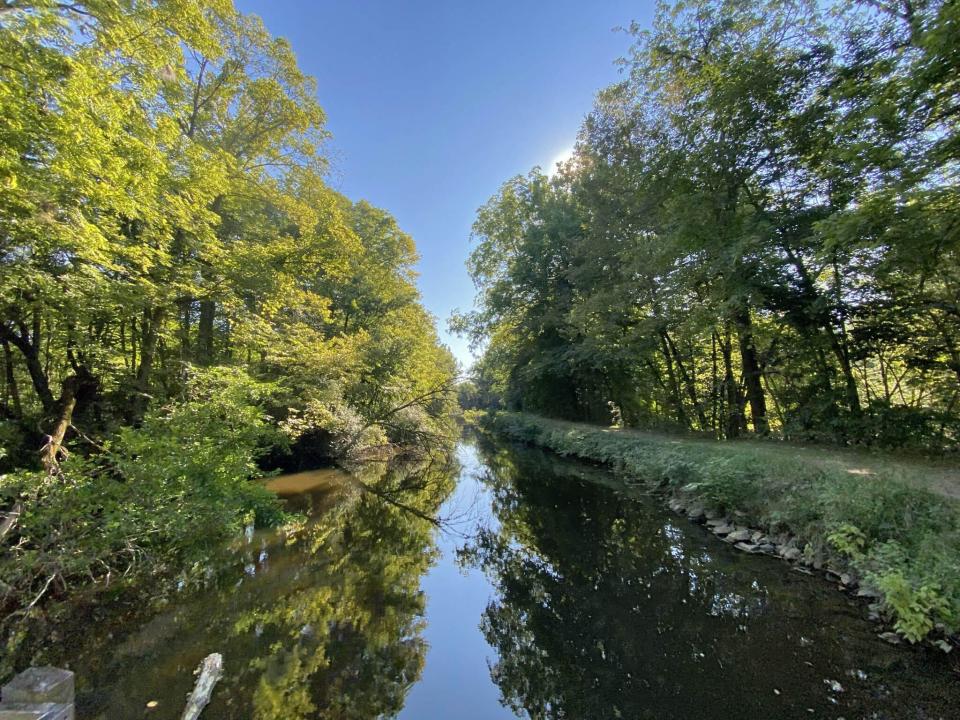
880,537
185,301
753,240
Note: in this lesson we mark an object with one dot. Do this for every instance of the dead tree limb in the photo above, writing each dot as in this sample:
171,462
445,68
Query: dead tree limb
209,673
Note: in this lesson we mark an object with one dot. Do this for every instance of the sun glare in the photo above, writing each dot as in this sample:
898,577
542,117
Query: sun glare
559,160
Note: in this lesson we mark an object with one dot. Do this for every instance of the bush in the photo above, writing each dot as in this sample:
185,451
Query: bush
16,446
155,498
330,428
881,424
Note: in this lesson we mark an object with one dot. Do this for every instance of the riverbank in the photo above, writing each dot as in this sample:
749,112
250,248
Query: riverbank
138,512
892,539
554,588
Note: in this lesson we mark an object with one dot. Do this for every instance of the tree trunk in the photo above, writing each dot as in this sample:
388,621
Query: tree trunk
13,392
208,310
51,451
38,377
819,317
688,383
752,373
186,308
150,324
840,346
840,349
714,385
734,420
149,335
133,345
29,347
675,394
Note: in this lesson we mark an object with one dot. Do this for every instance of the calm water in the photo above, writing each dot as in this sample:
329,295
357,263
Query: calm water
546,589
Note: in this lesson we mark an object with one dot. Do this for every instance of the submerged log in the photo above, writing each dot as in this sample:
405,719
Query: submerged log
208,673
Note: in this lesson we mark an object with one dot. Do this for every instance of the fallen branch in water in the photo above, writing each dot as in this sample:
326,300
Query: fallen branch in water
419,400
209,671
396,503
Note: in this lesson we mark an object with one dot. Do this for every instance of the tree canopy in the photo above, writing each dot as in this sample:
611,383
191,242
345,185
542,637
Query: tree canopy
163,208
757,232
181,291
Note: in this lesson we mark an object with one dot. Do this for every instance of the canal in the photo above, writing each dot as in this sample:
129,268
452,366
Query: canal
511,583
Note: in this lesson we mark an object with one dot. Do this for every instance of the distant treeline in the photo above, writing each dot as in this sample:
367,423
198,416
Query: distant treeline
759,230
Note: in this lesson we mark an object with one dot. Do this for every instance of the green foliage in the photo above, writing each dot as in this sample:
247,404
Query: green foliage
904,541
849,540
159,496
12,444
755,231
177,284
916,608
162,203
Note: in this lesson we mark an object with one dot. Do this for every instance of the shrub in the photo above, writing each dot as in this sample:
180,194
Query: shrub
154,498
329,427
915,607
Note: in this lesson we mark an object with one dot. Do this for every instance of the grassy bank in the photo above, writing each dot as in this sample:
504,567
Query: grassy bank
900,539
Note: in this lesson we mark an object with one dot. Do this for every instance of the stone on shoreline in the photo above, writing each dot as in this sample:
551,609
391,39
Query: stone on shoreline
756,548
790,554
741,535
787,547
696,513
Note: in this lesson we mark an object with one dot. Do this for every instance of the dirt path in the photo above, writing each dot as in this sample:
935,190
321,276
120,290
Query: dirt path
941,476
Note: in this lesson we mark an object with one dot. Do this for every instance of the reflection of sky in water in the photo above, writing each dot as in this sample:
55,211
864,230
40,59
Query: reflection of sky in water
674,535
456,681
599,605
606,608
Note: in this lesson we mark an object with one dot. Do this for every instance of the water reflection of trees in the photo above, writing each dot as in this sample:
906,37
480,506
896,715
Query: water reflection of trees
326,624
347,642
604,608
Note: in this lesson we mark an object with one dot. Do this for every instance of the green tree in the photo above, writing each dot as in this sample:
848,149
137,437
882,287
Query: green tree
756,231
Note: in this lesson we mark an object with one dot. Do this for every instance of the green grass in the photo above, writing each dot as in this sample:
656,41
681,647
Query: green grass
900,537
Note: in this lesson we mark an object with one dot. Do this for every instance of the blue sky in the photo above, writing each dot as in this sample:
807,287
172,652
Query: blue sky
433,105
